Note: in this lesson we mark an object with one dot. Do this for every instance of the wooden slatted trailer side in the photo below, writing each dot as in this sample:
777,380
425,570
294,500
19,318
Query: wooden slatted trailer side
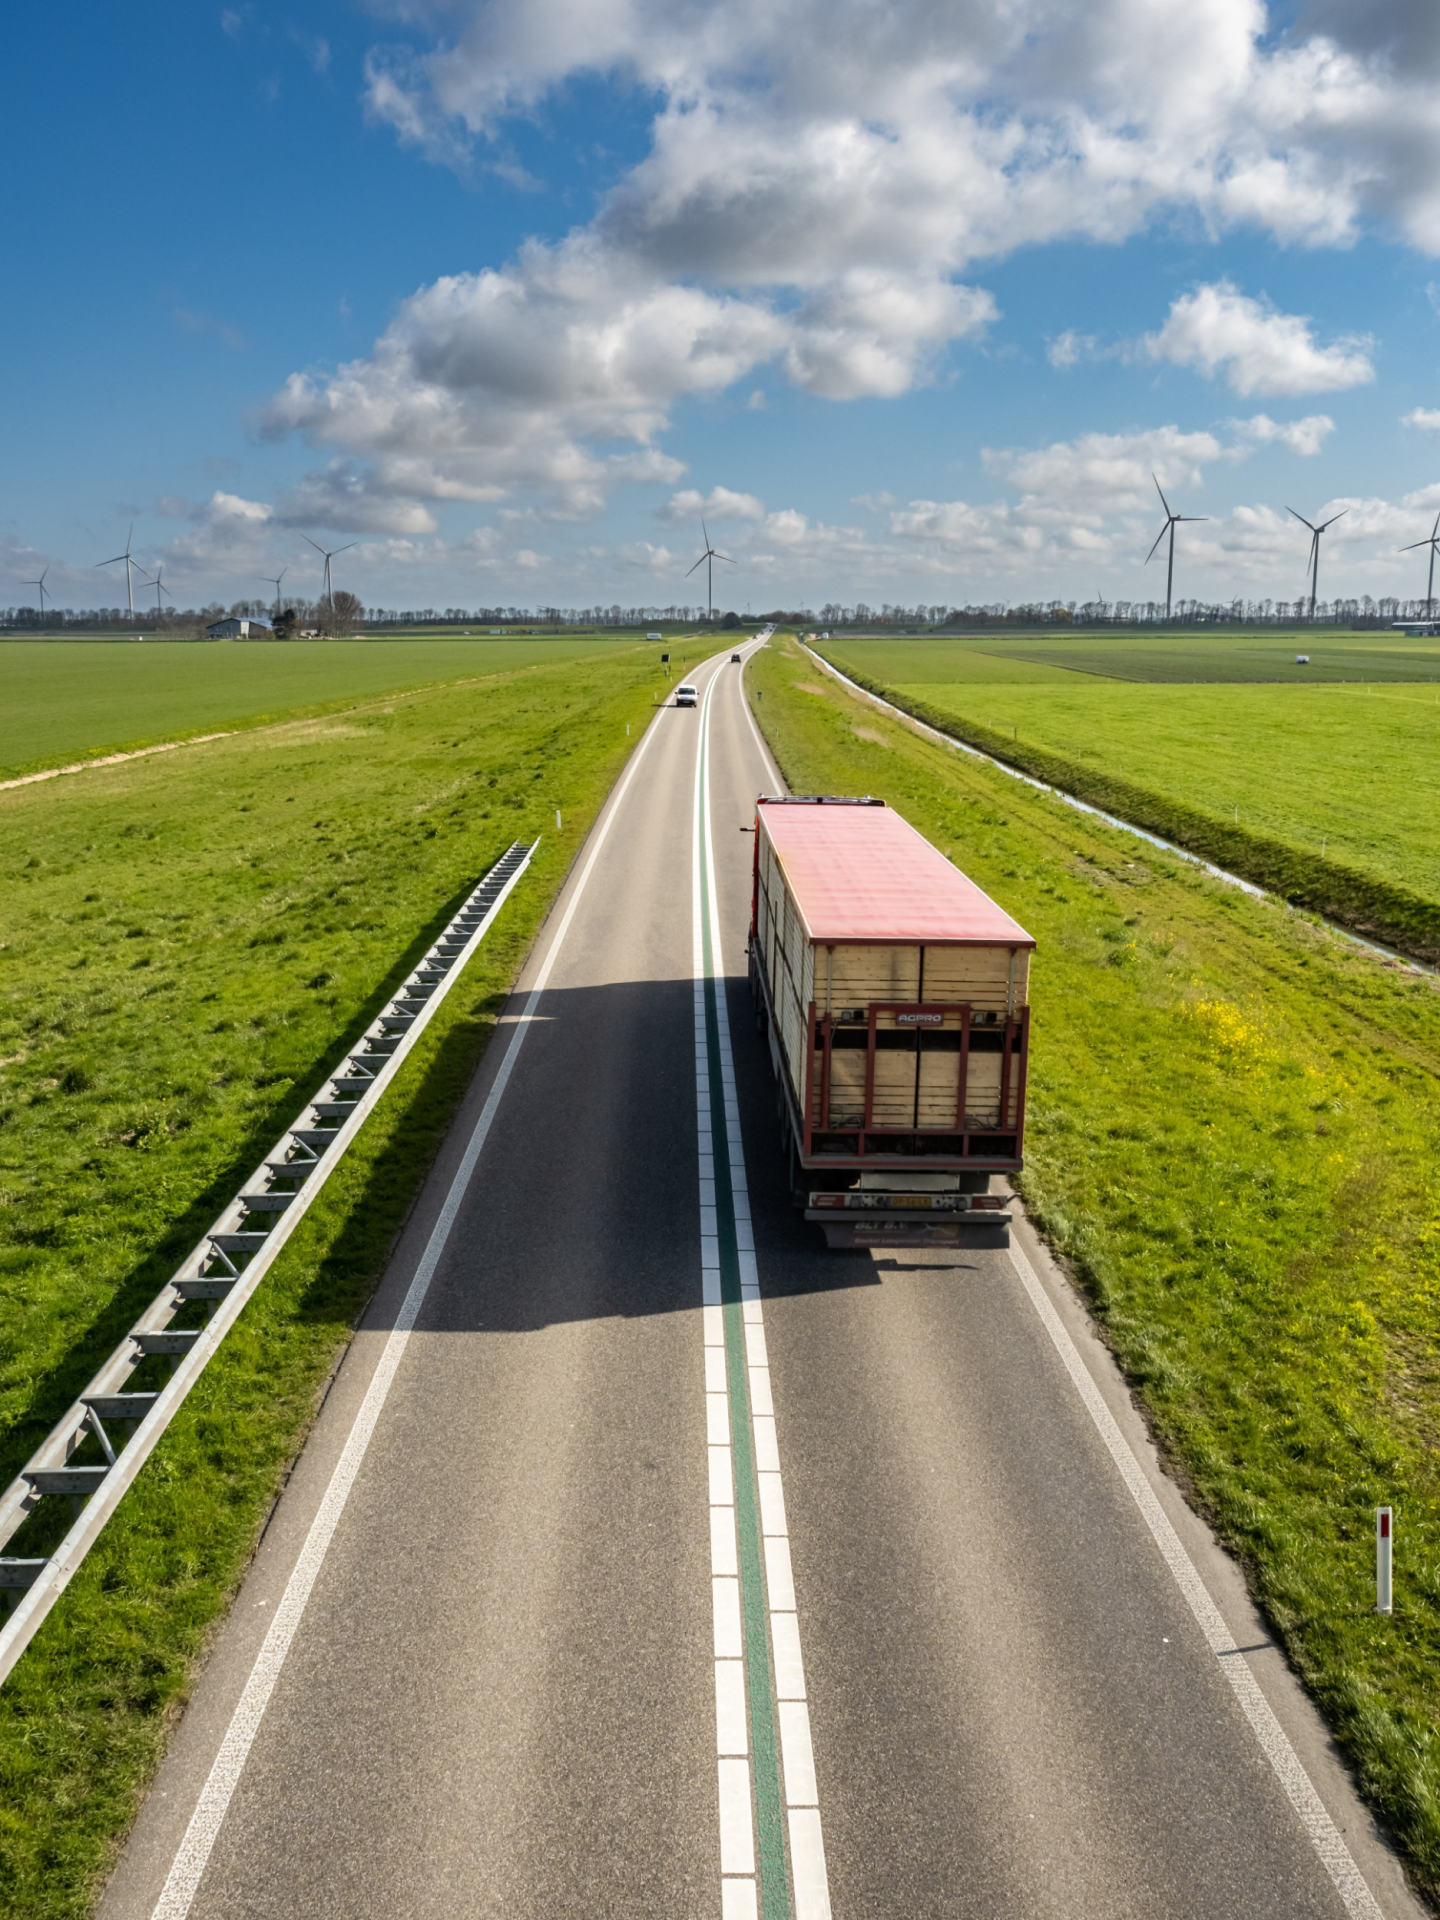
895,994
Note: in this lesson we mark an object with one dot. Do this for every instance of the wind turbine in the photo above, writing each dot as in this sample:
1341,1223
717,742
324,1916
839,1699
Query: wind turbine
160,588
275,580
1315,533
1172,520
115,560
707,560
40,583
1431,543
328,558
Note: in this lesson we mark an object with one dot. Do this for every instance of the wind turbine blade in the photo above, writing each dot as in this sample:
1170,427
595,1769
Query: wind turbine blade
1331,521
1301,518
111,561
314,543
725,557
1158,538
1163,501
1192,519
699,563
705,531
345,549
1414,544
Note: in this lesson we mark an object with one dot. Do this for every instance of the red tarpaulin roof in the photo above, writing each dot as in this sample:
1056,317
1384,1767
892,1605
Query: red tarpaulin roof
862,873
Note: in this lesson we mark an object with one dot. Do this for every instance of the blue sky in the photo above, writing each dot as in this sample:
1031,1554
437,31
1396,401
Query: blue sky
909,300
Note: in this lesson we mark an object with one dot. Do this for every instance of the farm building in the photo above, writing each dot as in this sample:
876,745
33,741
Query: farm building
236,629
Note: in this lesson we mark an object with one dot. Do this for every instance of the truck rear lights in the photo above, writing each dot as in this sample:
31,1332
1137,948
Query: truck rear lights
988,1202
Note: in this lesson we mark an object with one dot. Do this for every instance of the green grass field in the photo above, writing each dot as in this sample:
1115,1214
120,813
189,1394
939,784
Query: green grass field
1203,657
1234,1122
1340,783
63,699
187,942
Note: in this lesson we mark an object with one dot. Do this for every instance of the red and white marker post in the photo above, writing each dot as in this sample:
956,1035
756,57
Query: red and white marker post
1384,1559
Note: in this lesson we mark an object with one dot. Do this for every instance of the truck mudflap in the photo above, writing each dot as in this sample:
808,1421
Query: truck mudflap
974,1230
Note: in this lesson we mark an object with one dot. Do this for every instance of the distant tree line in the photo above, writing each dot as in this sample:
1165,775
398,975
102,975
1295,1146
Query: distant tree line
345,613
1364,611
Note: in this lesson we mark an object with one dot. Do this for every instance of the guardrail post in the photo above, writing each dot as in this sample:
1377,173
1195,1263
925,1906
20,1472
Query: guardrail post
1384,1559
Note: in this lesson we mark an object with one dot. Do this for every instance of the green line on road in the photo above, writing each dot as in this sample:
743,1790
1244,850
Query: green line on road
760,1687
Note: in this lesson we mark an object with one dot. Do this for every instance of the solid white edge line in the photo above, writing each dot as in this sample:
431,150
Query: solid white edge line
1323,1834
765,753
188,1866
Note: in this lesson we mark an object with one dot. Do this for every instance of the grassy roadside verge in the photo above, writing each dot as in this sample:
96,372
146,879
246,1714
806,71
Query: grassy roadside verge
1233,1138
186,948
1376,908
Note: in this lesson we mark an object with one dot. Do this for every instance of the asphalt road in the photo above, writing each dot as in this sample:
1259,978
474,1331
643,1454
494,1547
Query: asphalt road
500,1698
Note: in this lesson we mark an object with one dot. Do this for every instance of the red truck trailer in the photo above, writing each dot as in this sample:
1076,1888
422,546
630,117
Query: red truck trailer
894,994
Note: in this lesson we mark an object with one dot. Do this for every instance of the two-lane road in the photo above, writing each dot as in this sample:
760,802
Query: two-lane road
649,1560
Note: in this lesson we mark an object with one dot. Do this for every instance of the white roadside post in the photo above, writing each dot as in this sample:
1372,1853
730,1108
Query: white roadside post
1384,1555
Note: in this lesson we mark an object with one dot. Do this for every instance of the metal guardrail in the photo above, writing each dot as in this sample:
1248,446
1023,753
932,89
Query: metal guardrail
216,1279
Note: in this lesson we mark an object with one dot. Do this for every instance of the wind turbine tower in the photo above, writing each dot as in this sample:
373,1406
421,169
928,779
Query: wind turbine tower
158,584
40,583
1431,543
1172,520
115,560
328,557
707,560
1315,533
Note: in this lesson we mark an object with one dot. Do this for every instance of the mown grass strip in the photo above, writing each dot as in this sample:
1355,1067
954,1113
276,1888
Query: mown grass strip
1232,1139
249,915
66,700
1377,909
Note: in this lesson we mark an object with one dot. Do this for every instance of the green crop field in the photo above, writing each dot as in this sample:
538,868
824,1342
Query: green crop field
1234,1123
1232,658
63,699
1341,783
188,941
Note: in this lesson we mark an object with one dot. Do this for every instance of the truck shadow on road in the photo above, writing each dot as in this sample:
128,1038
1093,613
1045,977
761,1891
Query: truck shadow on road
586,1200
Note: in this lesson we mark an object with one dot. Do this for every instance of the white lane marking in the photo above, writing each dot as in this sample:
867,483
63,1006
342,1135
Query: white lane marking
796,1754
807,1865
1324,1835
190,1862
737,1831
769,757
809,1879
765,753
738,1892
732,1732
729,1640
737,1900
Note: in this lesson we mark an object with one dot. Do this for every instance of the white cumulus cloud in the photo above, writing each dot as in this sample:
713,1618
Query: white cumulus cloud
719,504
1219,329
1305,437
822,186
